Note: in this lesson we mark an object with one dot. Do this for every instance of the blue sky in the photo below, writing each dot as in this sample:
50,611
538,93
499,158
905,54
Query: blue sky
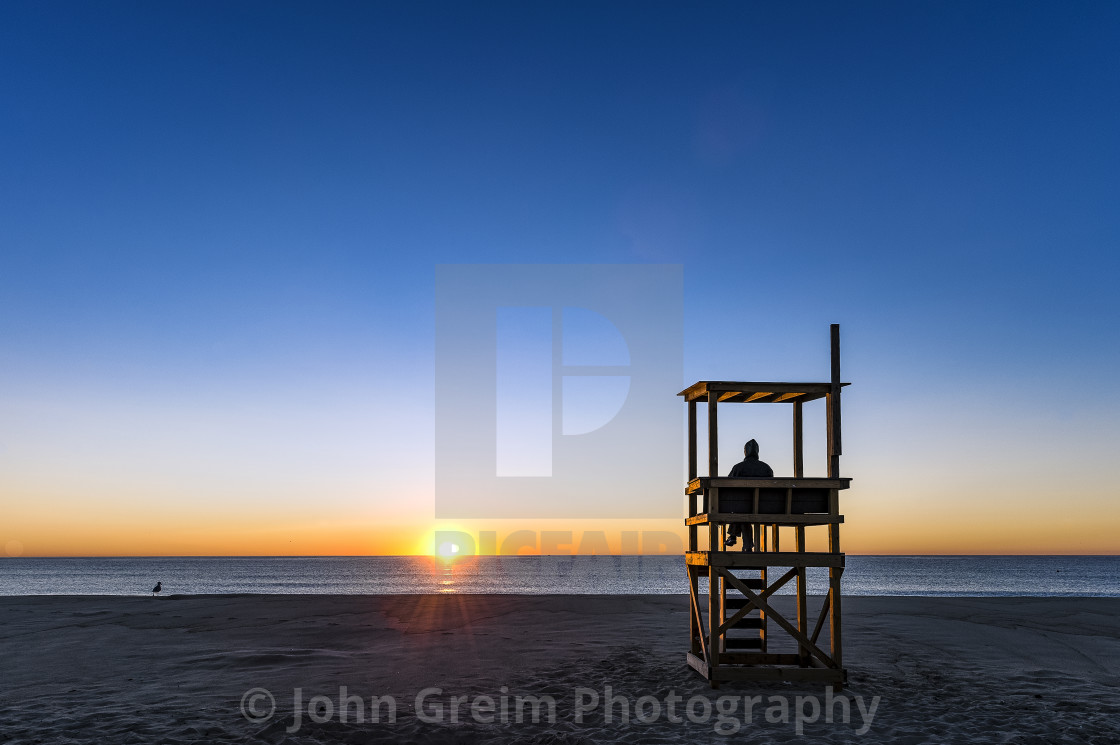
219,225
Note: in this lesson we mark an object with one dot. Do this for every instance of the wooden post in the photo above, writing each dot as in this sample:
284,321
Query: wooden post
713,439
691,440
692,498
715,530
834,574
802,606
835,447
834,617
798,442
722,611
715,602
715,587
762,546
833,461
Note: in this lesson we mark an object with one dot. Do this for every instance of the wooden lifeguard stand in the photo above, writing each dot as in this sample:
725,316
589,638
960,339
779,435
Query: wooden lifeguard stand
740,584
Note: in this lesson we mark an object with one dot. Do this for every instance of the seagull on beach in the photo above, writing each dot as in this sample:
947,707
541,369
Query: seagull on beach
157,589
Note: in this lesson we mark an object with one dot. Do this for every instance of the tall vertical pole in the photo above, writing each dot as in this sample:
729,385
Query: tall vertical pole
830,446
835,448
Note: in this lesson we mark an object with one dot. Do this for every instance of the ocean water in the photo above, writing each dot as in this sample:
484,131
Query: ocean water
1097,576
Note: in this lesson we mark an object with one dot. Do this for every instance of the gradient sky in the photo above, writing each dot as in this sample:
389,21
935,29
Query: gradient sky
219,224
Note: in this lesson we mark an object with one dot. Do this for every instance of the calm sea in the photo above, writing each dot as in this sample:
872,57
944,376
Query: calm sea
865,575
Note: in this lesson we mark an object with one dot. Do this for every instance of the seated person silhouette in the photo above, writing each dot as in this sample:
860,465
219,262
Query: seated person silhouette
749,468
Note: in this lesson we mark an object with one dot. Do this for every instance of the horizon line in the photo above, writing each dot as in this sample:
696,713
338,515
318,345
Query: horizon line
503,556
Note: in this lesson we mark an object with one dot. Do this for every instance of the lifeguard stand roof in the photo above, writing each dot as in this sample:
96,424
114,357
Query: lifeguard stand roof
756,393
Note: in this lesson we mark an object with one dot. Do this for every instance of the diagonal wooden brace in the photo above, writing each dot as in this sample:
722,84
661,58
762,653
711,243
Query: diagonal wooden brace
821,617
764,594
777,618
699,621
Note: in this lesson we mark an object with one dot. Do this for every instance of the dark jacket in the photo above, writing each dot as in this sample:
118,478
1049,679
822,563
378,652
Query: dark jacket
739,500
751,468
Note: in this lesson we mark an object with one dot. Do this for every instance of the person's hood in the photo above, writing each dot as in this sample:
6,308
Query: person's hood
751,449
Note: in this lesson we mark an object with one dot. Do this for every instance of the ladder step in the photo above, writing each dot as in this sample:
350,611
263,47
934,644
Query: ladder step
748,623
734,603
755,583
729,643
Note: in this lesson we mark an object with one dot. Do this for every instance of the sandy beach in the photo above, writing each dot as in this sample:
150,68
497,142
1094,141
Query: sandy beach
183,669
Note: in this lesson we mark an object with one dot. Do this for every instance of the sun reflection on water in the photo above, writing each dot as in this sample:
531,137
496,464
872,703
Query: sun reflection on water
444,568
